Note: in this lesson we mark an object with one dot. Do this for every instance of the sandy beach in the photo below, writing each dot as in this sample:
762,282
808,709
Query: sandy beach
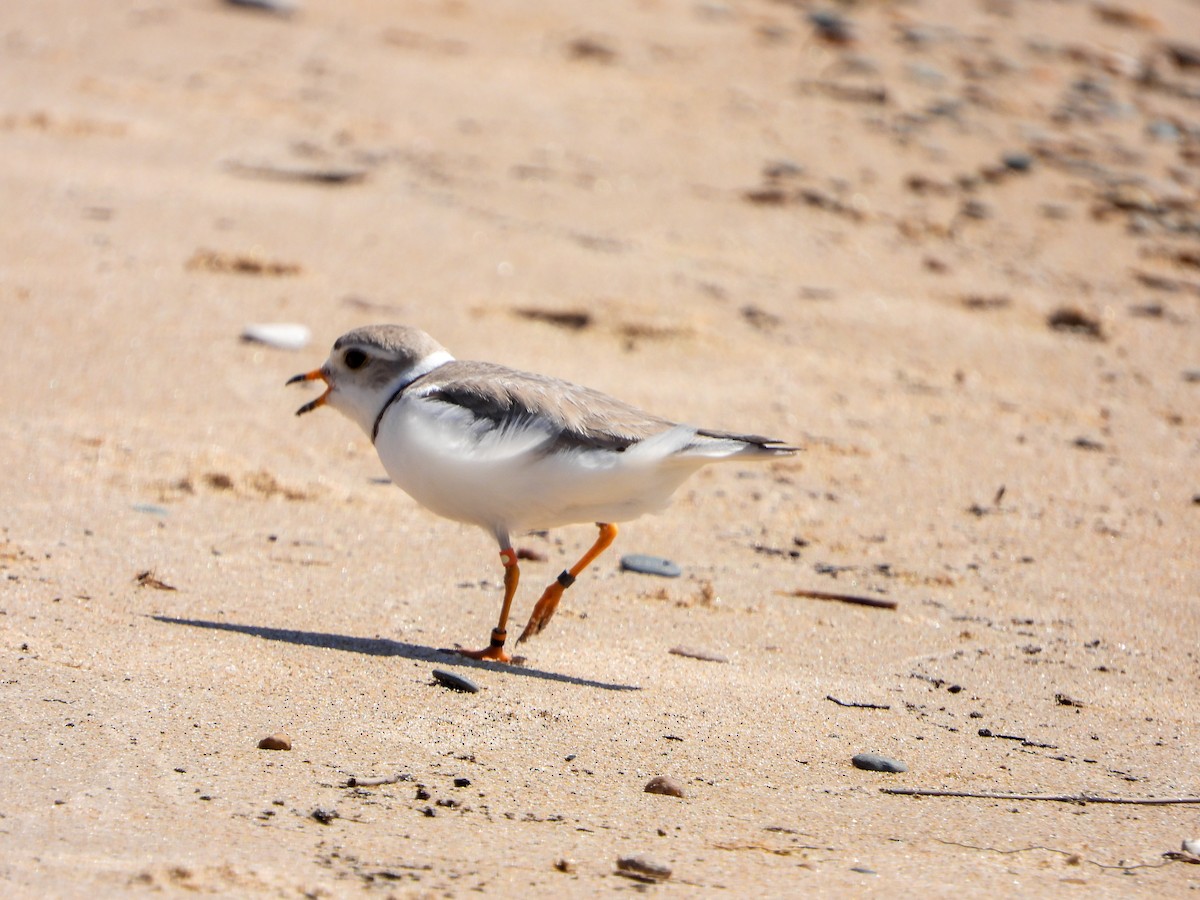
949,250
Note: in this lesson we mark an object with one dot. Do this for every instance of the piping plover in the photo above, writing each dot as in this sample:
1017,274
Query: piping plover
512,451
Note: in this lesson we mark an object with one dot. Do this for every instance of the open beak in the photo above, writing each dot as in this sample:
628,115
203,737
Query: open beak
314,375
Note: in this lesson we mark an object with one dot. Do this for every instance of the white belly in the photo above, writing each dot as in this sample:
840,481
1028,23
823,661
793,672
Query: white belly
502,480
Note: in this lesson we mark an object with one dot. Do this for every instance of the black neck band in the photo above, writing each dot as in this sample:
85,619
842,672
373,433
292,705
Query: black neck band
392,399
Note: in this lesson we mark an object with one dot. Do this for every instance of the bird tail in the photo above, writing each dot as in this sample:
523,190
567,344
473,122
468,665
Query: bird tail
703,445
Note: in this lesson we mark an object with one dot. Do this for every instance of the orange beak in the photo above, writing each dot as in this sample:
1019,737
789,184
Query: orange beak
314,375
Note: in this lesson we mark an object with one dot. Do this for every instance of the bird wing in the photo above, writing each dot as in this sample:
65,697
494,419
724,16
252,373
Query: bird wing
578,417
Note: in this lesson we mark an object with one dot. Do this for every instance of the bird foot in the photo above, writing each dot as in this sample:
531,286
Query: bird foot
542,611
488,654
494,652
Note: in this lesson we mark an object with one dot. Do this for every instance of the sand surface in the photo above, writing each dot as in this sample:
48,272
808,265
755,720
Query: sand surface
953,255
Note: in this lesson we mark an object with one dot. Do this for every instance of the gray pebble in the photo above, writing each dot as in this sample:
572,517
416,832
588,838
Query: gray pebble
650,565
976,209
642,868
279,7
455,682
697,653
152,509
1163,130
281,335
873,762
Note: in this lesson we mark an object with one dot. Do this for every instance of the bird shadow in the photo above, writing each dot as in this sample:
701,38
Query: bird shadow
386,647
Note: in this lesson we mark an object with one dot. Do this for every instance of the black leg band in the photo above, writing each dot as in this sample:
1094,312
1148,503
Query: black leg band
566,579
499,637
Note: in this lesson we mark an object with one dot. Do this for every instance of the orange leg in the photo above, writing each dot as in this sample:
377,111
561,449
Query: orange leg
495,650
549,601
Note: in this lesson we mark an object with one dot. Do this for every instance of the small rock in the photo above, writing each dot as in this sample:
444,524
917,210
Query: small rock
591,48
455,682
766,196
324,816
566,866
278,7
662,784
1185,56
832,27
277,741
976,209
1163,130
462,782
650,565
696,653
1067,319
281,335
1017,162
782,168
642,868
151,509
1192,846
873,762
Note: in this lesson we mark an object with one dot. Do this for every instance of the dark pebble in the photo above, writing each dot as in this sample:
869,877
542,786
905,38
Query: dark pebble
455,682
278,741
873,762
462,782
1073,320
832,27
324,816
1018,162
650,565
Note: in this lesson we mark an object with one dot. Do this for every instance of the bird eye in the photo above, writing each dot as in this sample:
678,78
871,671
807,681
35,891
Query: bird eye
354,359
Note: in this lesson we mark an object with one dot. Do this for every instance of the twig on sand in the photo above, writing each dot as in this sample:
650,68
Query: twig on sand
1054,798
841,598
854,705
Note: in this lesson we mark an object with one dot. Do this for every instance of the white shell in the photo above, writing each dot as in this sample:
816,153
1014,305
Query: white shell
1192,846
284,335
